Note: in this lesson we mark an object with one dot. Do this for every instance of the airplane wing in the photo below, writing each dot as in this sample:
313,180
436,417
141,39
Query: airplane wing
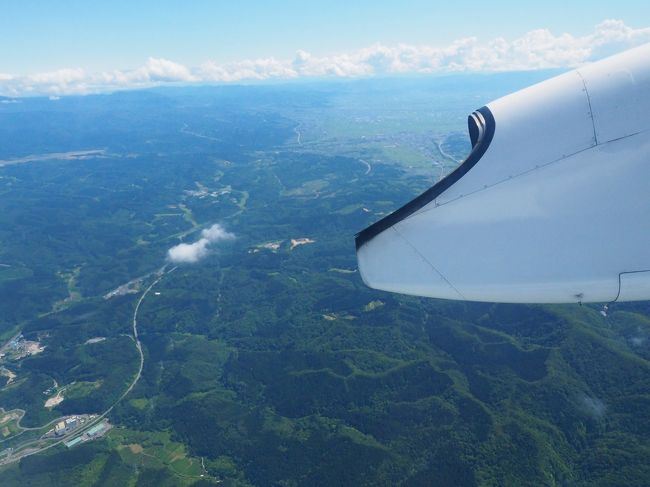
552,205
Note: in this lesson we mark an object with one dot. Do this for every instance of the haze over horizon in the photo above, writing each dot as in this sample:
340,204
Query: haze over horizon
79,49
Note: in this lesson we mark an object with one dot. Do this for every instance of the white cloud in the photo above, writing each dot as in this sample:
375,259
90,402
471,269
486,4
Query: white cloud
189,253
536,49
216,233
157,69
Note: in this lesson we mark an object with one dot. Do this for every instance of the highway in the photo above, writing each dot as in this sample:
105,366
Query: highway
23,450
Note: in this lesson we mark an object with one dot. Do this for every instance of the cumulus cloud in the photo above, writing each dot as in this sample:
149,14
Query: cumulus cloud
537,49
189,253
216,233
164,70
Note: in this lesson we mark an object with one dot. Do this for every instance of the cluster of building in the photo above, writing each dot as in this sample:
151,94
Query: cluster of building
69,424
66,425
97,431
18,348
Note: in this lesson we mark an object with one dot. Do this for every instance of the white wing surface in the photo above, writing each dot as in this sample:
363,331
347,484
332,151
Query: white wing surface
551,206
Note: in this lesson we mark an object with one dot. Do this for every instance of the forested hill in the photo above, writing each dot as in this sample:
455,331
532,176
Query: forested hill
267,361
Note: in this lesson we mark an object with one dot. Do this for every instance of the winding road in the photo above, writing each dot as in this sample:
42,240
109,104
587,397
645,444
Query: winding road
368,166
24,451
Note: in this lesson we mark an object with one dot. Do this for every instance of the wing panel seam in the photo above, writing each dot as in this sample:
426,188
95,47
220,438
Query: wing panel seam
442,276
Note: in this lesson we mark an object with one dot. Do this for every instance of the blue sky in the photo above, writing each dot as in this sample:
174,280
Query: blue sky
40,36
97,35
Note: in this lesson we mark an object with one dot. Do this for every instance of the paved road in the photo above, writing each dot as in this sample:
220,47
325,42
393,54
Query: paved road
298,135
138,345
368,166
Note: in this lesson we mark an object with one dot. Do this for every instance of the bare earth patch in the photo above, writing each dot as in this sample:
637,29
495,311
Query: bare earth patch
8,374
53,401
301,241
274,246
9,417
94,340
32,348
135,448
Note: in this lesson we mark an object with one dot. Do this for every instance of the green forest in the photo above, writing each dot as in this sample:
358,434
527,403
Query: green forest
268,362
